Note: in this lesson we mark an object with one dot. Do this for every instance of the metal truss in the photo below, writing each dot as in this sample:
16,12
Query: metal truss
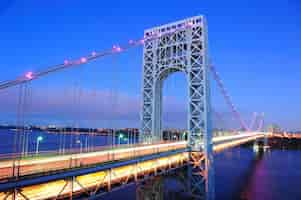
95,185
198,175
180,47
155,188
261,143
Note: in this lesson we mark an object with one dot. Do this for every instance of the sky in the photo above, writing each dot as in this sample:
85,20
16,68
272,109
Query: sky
255,46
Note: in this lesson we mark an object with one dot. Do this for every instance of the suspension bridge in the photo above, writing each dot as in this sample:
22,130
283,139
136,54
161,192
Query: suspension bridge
180,46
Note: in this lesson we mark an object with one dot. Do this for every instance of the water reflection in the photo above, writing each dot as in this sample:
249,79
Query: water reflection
241,174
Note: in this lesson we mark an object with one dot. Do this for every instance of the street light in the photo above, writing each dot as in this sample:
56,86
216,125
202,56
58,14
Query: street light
174,137
39,139
184,135
81,145
120,137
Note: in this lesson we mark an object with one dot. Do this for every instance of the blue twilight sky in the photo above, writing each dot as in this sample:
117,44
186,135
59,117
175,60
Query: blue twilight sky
255,46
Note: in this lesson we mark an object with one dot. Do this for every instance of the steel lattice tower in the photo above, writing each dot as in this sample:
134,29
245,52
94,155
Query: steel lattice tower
180,46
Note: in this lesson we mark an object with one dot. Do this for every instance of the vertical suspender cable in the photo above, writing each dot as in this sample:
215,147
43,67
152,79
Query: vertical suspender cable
23,118
17,133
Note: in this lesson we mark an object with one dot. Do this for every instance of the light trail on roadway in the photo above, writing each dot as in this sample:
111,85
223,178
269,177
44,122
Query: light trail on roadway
38,165
107,178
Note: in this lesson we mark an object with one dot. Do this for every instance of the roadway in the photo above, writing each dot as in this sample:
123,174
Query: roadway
43,164
87,183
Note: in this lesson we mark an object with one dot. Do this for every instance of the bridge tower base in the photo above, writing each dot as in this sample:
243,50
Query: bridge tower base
261,144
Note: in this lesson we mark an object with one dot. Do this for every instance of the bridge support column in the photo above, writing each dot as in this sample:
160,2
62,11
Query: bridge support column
181,46
201,184
266,142
201,171
71,187
261,144
15,194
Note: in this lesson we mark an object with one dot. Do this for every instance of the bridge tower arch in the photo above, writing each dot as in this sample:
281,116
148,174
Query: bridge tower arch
179,46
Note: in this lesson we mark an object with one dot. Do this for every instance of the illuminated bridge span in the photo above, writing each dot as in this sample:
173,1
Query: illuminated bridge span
100,170
45,163
181,46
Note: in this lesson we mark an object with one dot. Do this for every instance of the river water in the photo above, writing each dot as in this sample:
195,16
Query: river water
240,173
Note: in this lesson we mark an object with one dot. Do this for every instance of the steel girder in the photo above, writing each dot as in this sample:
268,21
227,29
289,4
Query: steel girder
97,183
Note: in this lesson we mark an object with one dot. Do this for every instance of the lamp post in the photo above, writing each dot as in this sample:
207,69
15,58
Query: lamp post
81,145
86,148
184,135
120,137
39,139
174,137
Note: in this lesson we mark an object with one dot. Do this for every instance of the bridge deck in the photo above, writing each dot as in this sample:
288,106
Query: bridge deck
47,163
107,177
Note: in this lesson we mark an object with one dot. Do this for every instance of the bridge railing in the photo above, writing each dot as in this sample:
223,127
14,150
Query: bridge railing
47,162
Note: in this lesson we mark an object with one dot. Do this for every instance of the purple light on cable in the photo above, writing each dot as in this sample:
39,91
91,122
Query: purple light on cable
83,60
93,53
66,62
29,75
117,48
